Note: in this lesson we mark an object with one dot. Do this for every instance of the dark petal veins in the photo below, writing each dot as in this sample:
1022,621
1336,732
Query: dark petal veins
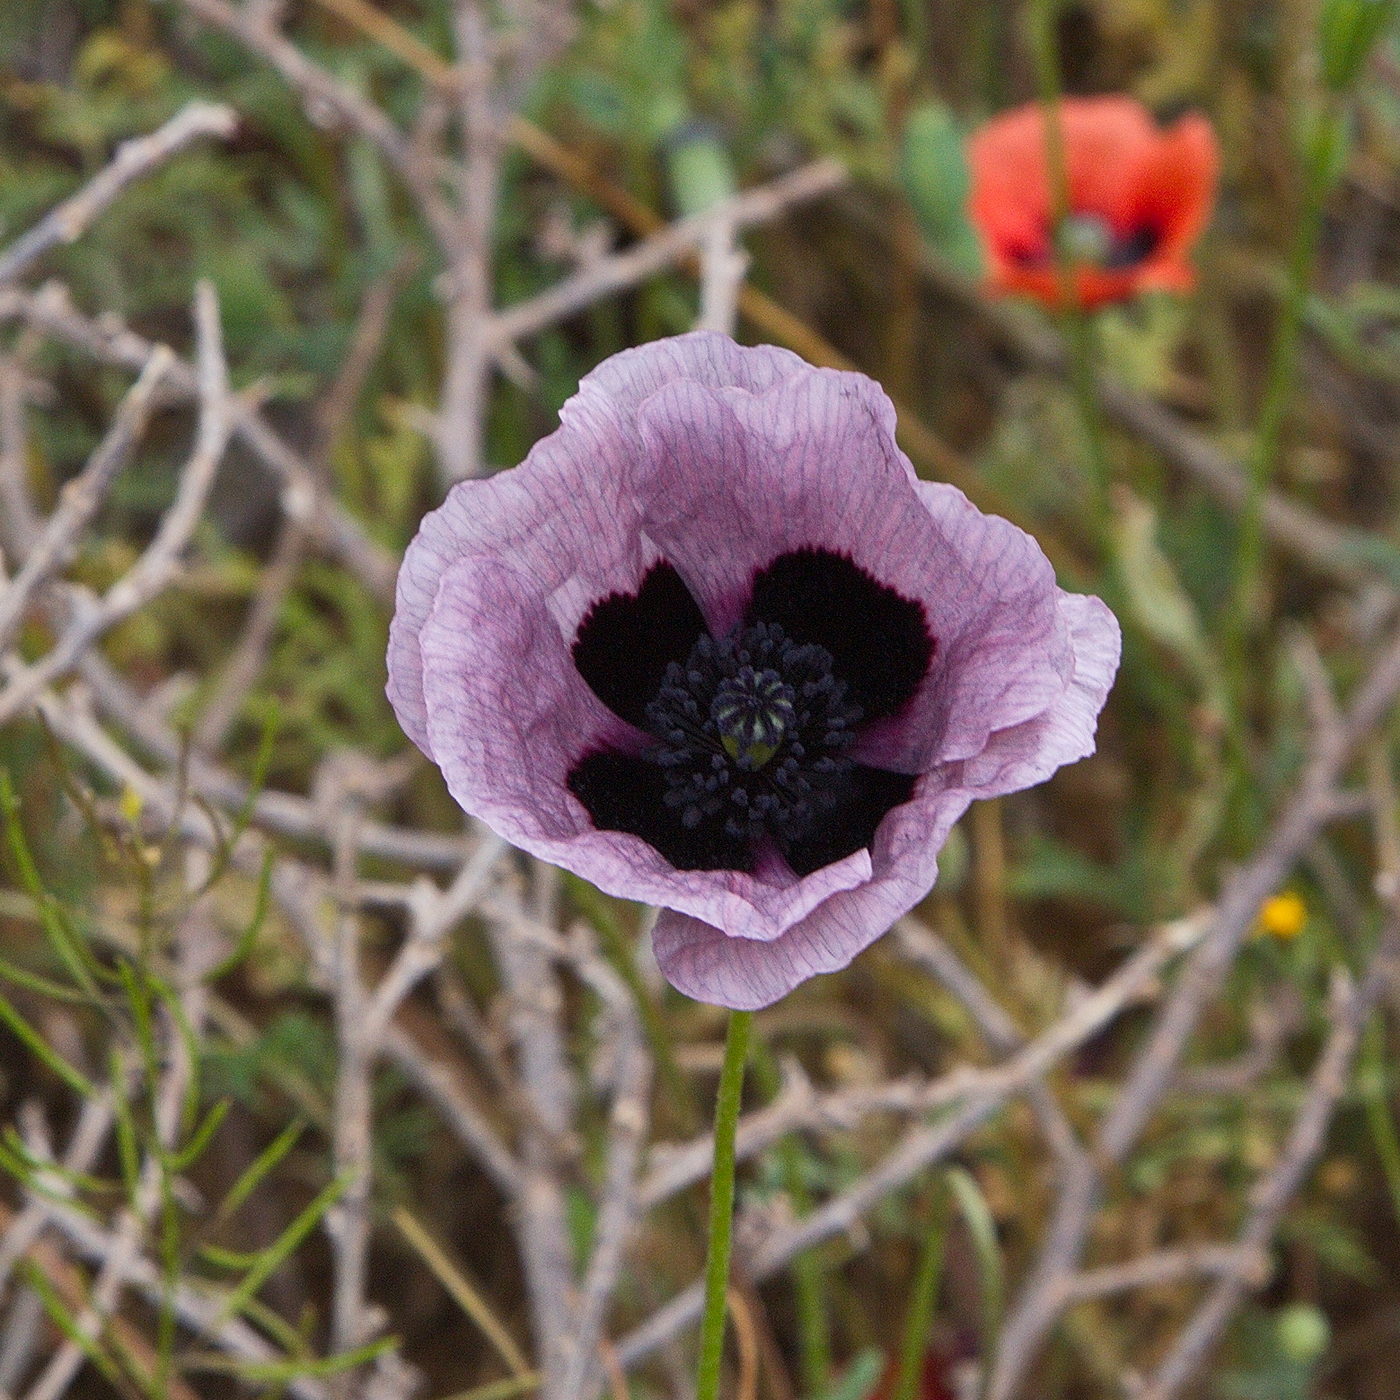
879,641
624,793
863,798
626,641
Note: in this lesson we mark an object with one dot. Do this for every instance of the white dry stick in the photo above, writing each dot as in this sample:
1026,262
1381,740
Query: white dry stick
1167,1266
160,563
671,245
179,1033
134,160
352,1122
459,430
304,497
58,540
928,950
1041,1297
201,1306
44,1191
330,102
723,266
1351,1006
628,1122
468,1124
533,1009
18,519
985,1092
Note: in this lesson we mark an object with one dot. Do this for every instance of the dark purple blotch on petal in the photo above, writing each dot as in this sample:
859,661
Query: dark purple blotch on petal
864,797
879,641
751,730
626,641
626,793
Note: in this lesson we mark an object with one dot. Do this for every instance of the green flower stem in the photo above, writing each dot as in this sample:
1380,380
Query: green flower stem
1322,163
1083,351
1079,323
731,1083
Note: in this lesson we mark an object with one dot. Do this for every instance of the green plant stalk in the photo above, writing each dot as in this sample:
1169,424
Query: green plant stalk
731,1083
1282,374
919,1318
1078,323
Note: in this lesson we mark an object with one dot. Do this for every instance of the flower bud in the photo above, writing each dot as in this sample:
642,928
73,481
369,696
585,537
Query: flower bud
1303,1333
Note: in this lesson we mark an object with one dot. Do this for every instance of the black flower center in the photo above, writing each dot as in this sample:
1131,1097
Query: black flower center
1089,239
750,733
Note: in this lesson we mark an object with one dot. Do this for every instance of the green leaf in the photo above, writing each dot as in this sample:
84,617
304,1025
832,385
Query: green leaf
933,170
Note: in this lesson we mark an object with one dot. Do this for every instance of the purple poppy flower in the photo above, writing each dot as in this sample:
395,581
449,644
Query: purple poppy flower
713,646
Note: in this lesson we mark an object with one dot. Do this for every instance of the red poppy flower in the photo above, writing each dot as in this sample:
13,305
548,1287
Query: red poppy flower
1139,197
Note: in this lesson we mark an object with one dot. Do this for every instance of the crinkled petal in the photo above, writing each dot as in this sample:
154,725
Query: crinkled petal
630,377
1004,653
1026,754
729,481
710,965
719,460
563,515
814,464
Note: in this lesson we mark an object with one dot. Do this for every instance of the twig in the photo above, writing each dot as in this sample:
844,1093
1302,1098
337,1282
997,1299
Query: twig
922,1146
303,498
82,496
1166,1266
160,562
324,95
1151,1074
436,1083
458,433
660,250
532,1012
177,1033
1351,1006
722,269
628,1122
134,160
19,522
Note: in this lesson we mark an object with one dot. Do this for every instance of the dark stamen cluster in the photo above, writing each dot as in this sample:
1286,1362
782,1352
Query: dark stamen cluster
753,730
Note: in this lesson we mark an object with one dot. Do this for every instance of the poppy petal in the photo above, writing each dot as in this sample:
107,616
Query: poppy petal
879,641
510,719
626,793
865,799
627,640
743,974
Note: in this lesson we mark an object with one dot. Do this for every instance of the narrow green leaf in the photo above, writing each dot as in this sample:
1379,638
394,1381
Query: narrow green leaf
272,1258
43,1050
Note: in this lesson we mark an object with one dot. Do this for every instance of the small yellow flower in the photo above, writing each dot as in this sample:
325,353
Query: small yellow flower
131,804
1283,916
